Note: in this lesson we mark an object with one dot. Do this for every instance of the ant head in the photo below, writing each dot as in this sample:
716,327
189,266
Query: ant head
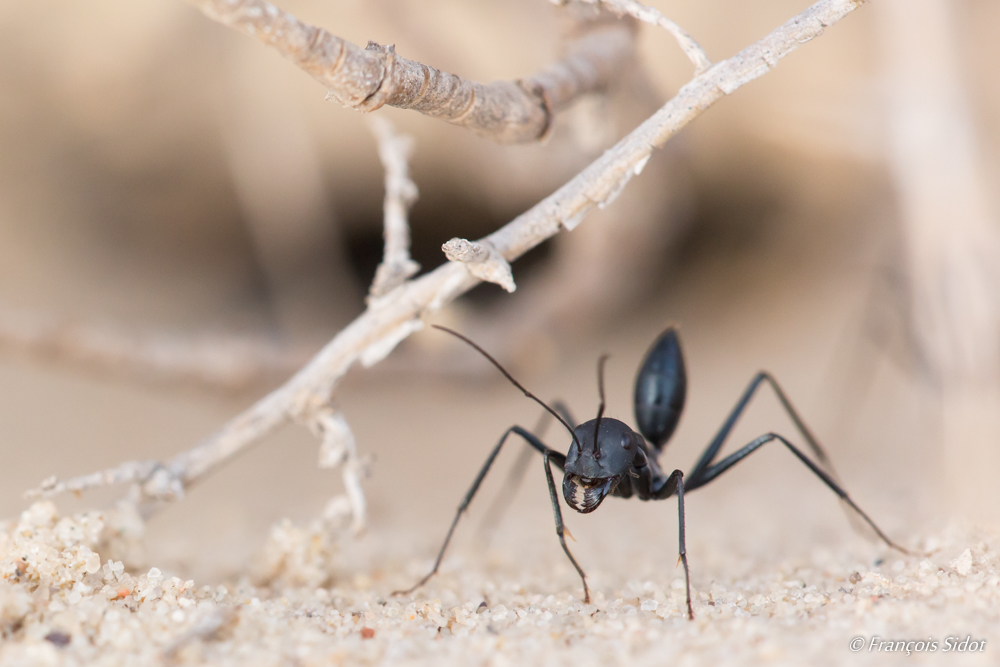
602,452
595,465
598,458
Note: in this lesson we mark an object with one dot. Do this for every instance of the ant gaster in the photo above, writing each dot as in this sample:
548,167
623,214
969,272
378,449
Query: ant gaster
606,457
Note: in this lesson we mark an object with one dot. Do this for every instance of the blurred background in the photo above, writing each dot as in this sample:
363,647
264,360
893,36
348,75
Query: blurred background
178,196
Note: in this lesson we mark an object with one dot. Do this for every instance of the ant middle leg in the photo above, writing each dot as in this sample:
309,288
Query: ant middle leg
711,472
675,484
559,459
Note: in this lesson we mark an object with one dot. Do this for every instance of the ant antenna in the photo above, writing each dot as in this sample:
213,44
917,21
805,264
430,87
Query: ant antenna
515,382
600,391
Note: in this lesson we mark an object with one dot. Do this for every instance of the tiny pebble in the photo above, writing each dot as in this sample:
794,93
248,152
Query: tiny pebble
963,564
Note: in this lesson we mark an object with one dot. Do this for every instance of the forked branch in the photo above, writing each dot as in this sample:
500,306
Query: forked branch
641,12
391,318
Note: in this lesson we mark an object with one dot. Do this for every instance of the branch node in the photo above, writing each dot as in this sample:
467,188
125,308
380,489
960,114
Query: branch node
692,49
482,260
164,484
386,86
539,93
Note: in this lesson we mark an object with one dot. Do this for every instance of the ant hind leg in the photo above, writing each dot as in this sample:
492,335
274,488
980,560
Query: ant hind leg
713,448
709,473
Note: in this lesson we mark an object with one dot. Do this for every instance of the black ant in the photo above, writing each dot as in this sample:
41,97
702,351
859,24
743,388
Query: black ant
607,457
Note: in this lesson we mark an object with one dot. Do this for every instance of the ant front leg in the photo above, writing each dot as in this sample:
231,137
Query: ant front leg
559,459
513,482
675,484
560,529
709,473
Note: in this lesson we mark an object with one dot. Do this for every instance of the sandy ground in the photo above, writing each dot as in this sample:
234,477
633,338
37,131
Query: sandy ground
778,574
826,606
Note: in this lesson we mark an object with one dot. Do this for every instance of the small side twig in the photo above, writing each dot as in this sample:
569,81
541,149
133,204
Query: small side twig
339,448
395,151
388,320
482,260
125,473
692,49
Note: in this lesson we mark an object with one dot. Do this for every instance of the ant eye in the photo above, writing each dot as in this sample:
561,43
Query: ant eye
640,460
627,441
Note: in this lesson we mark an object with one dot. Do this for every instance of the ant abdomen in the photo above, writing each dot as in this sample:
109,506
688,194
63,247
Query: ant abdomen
660,389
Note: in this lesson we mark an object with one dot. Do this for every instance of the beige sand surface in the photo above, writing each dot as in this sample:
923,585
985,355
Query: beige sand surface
778,573
805,609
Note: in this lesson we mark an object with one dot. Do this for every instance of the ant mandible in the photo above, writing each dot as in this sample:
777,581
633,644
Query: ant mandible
607,457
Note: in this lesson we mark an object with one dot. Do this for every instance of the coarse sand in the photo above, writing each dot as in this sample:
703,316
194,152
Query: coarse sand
60,604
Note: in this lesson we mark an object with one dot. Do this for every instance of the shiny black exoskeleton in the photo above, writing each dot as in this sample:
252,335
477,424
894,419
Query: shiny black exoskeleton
607,457
612,458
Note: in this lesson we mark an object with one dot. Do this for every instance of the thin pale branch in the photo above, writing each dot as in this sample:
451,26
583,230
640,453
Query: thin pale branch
132,471
398,313
216,361
366,79
395,151
641,12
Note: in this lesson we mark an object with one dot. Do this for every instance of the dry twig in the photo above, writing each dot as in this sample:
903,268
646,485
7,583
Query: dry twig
366,79
229,363
641,12
339,448
394,150
390,319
